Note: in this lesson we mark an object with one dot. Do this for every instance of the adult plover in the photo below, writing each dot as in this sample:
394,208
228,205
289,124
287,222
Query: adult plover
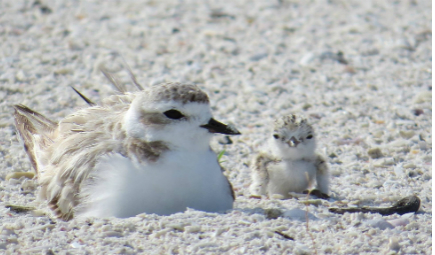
137,152
290,164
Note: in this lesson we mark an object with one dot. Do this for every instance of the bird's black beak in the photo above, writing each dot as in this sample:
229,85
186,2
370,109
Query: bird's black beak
215,126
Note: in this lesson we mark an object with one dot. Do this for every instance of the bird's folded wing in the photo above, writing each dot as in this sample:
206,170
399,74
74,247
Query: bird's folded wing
36,131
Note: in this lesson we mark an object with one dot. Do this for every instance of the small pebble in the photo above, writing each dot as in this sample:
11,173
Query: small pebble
258,56
63,71
272,214
375,153
349,69
379,223
378,134
192,229
412,173
307,59
20,76
407,134
417,112
384,162
393,244
315,202
423,145
410,165
76,245
425,96
28,185
18,175
176,226
332,155
306,106
38,213
112,234
302,250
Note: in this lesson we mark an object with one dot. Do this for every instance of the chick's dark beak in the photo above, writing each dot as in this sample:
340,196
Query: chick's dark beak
293,142
215,126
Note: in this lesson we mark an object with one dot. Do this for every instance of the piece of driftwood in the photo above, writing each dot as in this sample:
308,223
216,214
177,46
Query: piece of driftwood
403,206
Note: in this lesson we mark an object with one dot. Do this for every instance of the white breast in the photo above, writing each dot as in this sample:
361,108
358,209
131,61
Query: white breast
291,176
176,181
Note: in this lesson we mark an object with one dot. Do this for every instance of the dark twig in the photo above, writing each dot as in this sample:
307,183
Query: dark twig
284,235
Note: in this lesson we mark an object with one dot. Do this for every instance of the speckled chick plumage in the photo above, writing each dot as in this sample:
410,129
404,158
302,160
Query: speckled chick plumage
290,163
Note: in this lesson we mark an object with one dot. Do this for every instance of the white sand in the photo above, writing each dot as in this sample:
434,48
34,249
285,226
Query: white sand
256,60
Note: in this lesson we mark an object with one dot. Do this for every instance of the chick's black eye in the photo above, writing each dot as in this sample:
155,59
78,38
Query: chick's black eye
276,136
173,114
309,137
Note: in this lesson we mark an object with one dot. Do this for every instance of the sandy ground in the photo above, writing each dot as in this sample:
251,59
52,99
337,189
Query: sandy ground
257,60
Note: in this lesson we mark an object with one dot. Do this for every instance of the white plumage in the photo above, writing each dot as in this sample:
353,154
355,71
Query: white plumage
142,152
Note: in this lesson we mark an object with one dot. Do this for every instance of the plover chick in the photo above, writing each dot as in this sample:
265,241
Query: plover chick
290,164
141,152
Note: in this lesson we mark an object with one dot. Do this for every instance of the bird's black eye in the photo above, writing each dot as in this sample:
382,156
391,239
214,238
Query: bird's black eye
276,136
309,137
173,114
